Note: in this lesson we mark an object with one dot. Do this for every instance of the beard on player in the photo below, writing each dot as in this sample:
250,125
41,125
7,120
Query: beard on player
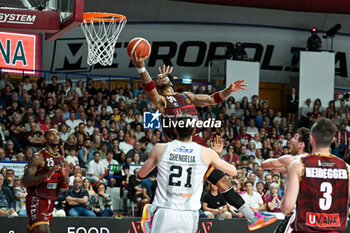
53,144
162,85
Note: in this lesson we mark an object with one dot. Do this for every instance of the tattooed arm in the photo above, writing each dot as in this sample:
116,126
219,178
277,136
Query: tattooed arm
200,100
29,177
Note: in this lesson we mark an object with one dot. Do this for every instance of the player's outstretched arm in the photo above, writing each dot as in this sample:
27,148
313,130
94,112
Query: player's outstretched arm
211,157
147,83
200,100
152,160
29,178
65,170
292,189
280,164
217,145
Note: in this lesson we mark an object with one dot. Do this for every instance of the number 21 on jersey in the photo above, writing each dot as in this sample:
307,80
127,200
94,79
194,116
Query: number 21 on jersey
175,177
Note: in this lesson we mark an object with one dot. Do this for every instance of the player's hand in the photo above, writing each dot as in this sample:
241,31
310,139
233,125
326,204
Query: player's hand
2,213
138,61
66,170
238,85
217,145
165,70
51,171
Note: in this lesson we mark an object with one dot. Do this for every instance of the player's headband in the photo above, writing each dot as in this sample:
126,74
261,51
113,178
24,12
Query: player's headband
49,130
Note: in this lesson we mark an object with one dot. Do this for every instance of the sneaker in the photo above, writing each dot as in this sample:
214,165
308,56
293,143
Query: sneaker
147,217
260,221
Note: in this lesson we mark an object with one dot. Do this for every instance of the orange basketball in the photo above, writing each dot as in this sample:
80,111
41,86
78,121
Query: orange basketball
137,45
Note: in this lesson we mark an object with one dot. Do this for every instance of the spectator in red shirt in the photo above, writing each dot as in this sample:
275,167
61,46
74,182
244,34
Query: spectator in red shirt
230,156
260,190
58,117
277,152
273,199
47,125
244,137
41,117
343,137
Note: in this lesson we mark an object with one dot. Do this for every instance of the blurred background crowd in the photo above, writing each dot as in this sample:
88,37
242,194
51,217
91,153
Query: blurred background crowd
102,134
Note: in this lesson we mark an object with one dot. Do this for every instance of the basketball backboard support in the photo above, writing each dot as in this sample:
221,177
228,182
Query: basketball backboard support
52,17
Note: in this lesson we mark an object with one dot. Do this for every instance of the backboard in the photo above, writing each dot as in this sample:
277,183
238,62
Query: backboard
52,17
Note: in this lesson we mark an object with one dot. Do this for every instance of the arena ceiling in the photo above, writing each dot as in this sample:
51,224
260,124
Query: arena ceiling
326,6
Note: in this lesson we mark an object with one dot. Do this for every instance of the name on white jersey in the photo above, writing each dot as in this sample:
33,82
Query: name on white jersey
182,158
326,173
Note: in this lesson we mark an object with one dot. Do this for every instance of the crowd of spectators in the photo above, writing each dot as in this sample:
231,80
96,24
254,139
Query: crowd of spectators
99,127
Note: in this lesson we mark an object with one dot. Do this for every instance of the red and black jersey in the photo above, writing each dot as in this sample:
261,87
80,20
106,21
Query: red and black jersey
322,204
50,187
342,137
177,105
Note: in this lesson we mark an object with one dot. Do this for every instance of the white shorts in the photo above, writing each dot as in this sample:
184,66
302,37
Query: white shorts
174,221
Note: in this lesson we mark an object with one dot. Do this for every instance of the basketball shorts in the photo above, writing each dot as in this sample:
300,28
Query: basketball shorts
39,211
283,225
179,221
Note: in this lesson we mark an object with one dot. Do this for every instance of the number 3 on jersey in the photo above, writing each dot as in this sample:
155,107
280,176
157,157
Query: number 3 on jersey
176,175
326,201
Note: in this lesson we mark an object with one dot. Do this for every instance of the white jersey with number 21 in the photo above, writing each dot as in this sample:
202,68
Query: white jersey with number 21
180,176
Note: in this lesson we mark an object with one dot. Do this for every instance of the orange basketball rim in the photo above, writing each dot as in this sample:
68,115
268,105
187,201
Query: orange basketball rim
96,17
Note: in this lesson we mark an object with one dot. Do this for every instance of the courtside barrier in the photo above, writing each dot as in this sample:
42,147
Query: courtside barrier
124,225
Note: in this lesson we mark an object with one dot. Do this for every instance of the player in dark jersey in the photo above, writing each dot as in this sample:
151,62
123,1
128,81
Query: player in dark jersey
161,94
318,185
45,176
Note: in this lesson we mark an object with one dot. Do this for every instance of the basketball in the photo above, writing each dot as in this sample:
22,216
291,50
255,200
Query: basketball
137,45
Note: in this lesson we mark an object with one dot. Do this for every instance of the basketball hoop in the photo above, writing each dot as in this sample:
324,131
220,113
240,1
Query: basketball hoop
102,37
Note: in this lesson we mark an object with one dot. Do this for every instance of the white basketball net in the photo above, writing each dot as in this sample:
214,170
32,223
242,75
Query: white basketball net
101,40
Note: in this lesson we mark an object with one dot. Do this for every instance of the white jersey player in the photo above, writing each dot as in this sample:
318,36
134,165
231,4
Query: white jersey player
181,167
300,147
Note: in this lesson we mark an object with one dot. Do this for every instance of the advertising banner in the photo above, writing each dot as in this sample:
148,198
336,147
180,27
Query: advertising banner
20,51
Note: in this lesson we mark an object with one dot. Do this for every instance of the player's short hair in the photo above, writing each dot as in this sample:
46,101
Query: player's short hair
184,132
323,132
304,136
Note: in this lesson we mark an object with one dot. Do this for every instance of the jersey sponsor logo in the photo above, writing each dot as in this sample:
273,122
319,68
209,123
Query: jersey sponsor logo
174,194
54,178
183,150
325,164
186,110
322,220
51,185
326,173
